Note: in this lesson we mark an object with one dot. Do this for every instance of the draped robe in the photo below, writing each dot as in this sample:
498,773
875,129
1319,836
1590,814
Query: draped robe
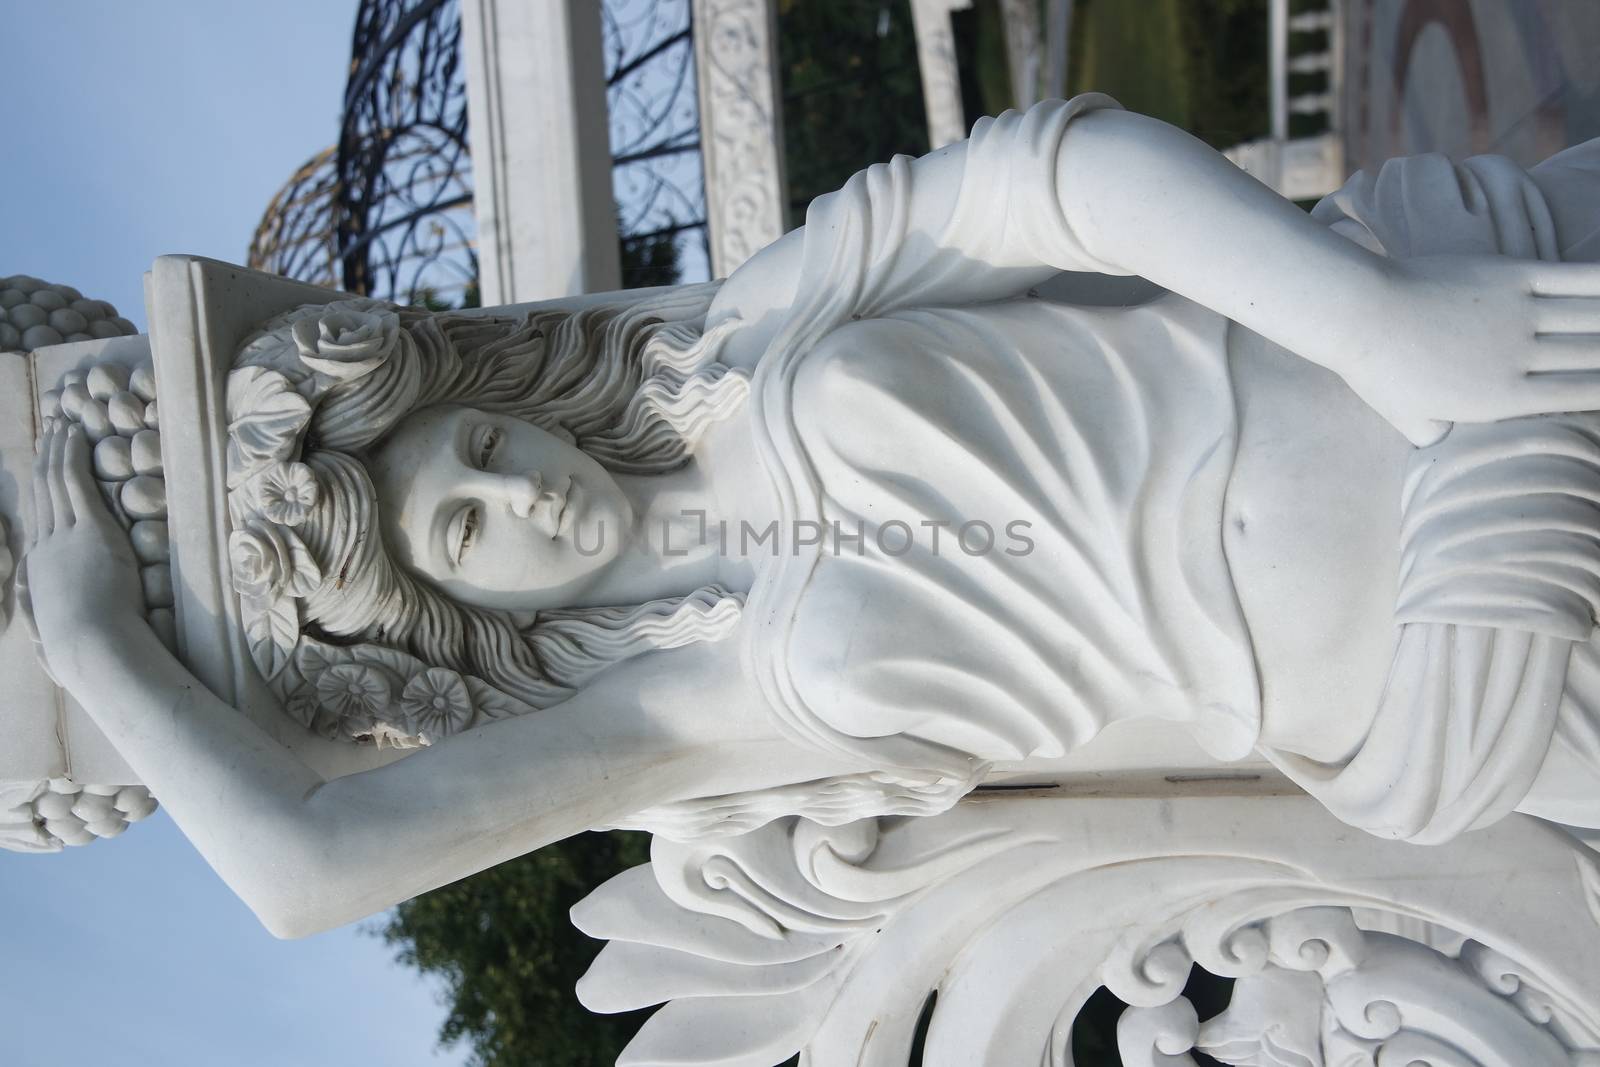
1110,433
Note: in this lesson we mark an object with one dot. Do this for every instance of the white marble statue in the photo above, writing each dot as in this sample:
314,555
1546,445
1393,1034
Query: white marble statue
881,517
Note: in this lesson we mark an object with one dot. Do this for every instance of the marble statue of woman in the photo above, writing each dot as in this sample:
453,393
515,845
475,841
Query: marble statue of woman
1005,520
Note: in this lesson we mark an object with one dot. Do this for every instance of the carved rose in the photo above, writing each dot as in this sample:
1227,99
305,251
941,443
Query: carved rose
346,341
436,703
269,562
287,493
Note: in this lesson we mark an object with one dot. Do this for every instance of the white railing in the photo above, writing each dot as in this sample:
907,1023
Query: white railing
1300,168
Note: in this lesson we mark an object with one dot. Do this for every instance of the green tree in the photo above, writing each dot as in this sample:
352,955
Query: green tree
508,956
852,91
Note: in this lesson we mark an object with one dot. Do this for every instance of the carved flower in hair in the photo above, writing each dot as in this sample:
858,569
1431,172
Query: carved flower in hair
357,692
347,339
265,420
269,562
436,703
286,494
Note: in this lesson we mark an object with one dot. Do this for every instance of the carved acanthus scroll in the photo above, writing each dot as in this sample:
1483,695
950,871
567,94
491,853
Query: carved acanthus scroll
1015,911
741,128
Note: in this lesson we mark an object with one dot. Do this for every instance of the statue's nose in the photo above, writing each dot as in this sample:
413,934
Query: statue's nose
521,493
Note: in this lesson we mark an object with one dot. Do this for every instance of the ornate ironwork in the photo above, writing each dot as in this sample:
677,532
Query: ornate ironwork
296,235
387,212
404,223
655,129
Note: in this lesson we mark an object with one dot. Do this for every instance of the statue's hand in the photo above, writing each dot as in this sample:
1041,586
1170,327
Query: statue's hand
1479,339
82,575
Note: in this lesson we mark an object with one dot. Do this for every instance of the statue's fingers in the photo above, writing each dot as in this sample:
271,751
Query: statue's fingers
1566,315
43,513
79,478
60,503
1577,390
1564,353
1565,280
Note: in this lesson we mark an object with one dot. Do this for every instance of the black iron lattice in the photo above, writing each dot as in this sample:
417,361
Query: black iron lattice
403,214
387,211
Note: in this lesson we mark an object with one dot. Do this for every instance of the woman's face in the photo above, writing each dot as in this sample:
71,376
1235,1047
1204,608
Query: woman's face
496,512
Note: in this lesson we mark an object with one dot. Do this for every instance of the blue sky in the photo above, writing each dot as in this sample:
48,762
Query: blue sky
135,128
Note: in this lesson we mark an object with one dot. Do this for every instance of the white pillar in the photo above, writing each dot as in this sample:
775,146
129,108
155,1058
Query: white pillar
541,153
1278,66
741,127
941,77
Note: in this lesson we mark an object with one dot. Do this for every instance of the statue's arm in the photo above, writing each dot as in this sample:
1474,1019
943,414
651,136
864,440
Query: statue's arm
307,854
1424,341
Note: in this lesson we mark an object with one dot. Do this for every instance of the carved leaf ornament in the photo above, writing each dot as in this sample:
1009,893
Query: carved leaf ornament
265,419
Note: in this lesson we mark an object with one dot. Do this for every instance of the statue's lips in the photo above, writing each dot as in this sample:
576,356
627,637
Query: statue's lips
569,510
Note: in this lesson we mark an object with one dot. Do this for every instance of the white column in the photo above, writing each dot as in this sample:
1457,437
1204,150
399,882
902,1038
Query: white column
741,127
541,154
1058,34
941,77
1278,66
1025,48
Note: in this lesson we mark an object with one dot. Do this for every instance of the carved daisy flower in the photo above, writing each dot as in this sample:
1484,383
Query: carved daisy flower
287,493
436,703
358,693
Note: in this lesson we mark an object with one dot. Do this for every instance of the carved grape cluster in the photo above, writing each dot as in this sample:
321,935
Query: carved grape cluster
76,814
34,314
117,408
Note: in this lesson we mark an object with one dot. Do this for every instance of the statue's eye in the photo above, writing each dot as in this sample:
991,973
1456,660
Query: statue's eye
469,533
487,447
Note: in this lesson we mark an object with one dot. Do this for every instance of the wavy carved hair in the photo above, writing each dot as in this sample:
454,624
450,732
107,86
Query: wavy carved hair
632,385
